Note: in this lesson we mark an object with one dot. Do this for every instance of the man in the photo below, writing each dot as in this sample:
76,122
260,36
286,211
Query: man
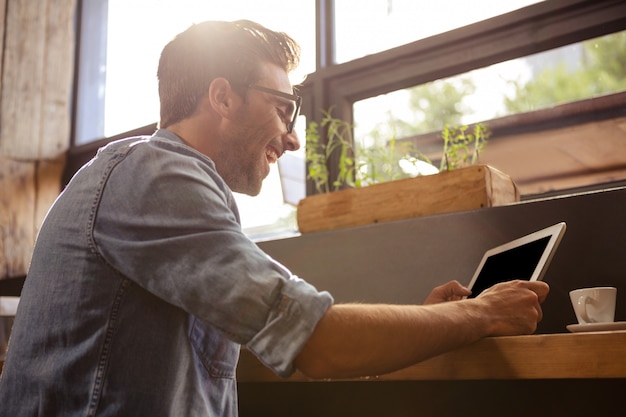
142,285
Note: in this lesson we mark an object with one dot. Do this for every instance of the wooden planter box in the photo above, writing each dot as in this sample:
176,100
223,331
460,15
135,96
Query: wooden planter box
462,189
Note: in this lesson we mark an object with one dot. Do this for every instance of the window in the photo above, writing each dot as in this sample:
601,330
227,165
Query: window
383,24
369,55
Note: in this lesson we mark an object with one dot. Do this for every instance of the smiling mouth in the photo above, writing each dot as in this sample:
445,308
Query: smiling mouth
271,155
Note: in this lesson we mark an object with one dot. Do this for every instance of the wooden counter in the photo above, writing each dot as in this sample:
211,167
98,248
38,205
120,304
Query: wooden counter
582,374
554,356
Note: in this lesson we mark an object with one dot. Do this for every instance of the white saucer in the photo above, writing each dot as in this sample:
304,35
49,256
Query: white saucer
597,327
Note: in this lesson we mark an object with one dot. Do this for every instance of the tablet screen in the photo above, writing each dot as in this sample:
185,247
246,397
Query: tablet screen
516,263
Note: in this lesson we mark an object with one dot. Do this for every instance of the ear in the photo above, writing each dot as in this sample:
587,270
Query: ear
221,97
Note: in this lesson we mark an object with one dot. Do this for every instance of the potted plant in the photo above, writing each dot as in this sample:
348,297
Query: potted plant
372,186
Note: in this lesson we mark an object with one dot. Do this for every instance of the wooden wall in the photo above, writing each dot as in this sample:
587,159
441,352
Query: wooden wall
36,72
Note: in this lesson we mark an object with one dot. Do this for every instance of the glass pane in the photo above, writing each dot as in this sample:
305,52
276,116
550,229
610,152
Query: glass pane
575,72
363,28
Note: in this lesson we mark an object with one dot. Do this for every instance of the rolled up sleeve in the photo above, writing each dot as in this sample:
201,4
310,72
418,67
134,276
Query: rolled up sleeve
290,323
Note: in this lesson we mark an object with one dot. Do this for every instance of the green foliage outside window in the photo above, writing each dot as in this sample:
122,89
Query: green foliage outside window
601,70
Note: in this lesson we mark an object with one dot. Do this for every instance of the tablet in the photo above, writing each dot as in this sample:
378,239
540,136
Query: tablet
525,258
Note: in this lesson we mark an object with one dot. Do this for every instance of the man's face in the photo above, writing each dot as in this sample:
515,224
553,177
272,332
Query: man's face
258,136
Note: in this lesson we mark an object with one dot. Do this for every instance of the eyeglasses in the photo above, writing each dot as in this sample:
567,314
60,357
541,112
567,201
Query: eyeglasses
293,97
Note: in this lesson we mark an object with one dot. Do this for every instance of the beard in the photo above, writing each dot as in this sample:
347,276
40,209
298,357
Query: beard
243,171
242,161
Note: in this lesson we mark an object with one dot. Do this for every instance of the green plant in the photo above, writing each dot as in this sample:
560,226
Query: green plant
365,165
387,162
462,148
339,136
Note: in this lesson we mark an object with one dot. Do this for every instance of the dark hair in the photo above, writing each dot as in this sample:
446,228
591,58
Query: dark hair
205,51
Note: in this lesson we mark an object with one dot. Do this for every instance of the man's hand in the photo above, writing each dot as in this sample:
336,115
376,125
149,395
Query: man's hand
450,291
513,306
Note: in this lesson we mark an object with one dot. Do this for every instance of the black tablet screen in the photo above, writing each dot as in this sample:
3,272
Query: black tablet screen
516,263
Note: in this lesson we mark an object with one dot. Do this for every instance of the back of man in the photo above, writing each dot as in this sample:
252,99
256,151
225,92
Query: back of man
89,341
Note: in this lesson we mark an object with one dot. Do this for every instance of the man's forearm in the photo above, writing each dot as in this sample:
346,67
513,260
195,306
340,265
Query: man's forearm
356,340
364,340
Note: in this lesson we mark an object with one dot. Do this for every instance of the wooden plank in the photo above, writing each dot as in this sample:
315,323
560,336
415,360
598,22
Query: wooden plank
35,85
37,79
17,228
463,189
554,356
54,139
27,190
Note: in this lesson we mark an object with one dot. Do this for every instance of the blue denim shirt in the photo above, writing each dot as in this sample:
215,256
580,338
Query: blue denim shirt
141,290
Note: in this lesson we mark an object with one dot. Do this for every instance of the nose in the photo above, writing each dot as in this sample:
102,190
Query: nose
291,141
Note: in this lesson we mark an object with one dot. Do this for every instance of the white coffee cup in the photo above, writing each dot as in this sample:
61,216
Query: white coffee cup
594,305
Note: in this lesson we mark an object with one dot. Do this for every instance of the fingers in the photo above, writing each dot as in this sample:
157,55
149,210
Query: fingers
454,289
509,308
450,291
540,288
539,312
515,306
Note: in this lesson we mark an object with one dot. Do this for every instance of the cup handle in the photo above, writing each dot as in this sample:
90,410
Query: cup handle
583,300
